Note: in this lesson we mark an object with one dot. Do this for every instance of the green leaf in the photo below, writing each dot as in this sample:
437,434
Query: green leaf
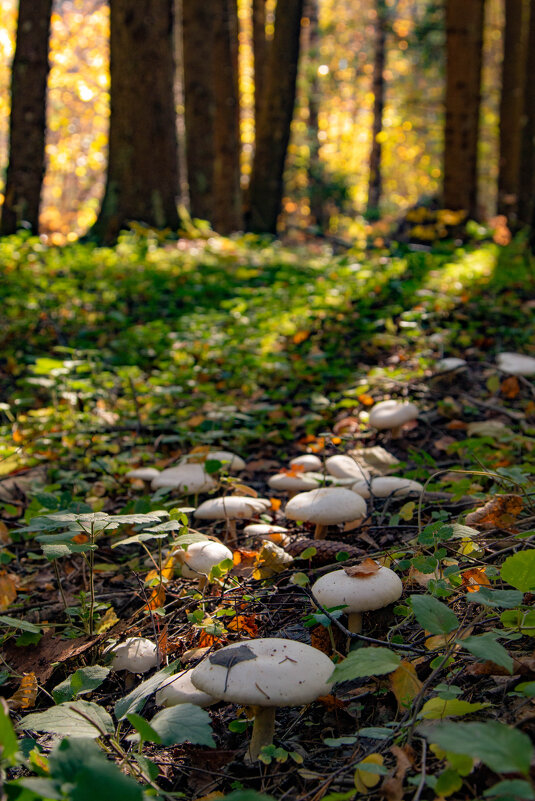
334,742
448,782
499,599
8,739
433,615
76,719
84,680
60,550
366,662
375,732
438,708
486,646
247,795
501,748
135,700
511,789
15,623
176,724
519,570
44,788
144,729
527,688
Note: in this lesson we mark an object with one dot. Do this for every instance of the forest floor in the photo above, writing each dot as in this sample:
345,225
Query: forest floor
112,359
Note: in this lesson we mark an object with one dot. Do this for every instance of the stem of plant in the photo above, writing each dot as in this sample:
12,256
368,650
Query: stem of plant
60,585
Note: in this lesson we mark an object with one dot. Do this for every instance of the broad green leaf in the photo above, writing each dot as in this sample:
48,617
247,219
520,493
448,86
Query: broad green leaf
89,678
375,732
75,719
366,662
8,739
60,550
434,616
521,619
44,788
144,729
527,688
438,708
511,788
135,700
519,570
137,538
24,625
176,724
499,599
501,748
448,782
486,646
334,742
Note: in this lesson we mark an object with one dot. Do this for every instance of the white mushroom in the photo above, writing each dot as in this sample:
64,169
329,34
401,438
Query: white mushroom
372,589
179,689
391,414
200,557
143,473
450,363
342,466
190,478
325,507
266,531
308,461
292,483
231,461
231,508
516,363
264,674
136,654
384,486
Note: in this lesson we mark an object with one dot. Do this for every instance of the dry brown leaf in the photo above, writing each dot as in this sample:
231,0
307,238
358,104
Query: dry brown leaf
474,577
243,489
510,387
5,539
366,568
353,524
500,512
405,684
8,589
347,425
262,465
456,425
25,696
443,443
392,787
243,624
419,578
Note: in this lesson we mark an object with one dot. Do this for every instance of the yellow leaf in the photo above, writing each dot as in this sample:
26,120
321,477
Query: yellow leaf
8,590
405,684
366,779
107,621
25,696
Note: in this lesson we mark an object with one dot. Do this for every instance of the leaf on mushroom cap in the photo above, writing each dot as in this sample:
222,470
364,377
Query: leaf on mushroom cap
366,568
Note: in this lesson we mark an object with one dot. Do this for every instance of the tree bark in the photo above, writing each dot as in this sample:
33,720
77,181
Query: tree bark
464,39
227,207
511,102
199,103
142,179
526,175
378,89
315,177
26,166
273,132
260,50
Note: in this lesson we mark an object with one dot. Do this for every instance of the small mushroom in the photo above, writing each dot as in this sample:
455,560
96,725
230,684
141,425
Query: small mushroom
190,478
178,689
293,483
200,557
516,364
143,473
264,674
450,363
231,508
324,507
265,531
342,466
136,654
308,461
391,414
383,486
231,461
363,588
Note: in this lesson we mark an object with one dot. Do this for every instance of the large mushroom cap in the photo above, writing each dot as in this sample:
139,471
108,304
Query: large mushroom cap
266,531
516,363
326,506
284,482
136,654
308,461
178,689
265,672
392,414
231,461
231,507
358,593
188,477
143,473
200,557
384,486
342,466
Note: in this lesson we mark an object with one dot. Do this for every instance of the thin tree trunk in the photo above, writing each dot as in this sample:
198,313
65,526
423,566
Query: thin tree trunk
315,182
227,208
526,175
511,107
199,103
27,124
142,179
464,38
276,116
375,184
260,50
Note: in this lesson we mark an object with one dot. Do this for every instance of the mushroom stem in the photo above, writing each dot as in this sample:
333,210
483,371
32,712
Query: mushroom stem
319,531
202,583
395,433
263,730
232,538
354,622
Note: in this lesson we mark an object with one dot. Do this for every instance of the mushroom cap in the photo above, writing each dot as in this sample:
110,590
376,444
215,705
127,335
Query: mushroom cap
326,506
308,461
288,483
516,363
178,689
342,466
232,462
383,486
200,557
189,477
265,672
265,531
136,654
144,473
231,507
358,593
449,363
391,414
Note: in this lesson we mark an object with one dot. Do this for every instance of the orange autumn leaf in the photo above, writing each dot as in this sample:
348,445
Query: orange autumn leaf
474,577
347,425
79,539
294,471
8,590
275,504
500,512
243,624
365,399
366,568
205,640
510,387
456,425
300,336
25,696
405,684
336,440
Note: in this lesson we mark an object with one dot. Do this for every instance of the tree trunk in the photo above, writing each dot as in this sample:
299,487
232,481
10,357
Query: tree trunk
260,50
199,103
273,132
315,176
142,180
464,38
378,89
511,102
227,208
526,176
27,124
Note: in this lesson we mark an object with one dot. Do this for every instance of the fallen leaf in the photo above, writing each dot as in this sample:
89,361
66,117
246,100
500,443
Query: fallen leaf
392,787
365,780
243,624
366,568
347,425
25,696
474,577
405,684
510,387
500,512
8,590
